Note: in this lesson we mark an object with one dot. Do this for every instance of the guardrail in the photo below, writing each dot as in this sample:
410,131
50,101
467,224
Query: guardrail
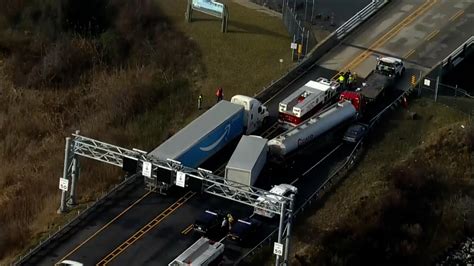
316,194
360,17
462,48
283,82
332,179
309,62
76,220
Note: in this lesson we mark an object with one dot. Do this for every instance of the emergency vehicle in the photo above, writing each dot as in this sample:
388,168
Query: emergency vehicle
307,100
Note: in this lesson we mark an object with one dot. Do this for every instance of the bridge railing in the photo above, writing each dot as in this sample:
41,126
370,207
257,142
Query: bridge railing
456,53
309,62
359,17
336,175
283,82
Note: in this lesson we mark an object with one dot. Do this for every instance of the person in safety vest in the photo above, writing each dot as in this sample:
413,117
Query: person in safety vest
341,79
230,220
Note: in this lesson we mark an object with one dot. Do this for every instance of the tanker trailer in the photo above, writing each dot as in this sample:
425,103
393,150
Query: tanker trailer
299,136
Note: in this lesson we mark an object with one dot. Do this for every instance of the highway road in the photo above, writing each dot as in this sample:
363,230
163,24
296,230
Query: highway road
153,230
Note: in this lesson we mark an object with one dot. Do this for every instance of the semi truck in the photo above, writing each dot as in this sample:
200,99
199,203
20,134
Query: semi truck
307,100
383,77
211,131
386,73
300,135
247,161
203,252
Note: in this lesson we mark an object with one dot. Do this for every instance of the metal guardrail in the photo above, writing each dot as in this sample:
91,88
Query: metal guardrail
359,17
350,159
77,219
316,194
348,163
458,51
307,64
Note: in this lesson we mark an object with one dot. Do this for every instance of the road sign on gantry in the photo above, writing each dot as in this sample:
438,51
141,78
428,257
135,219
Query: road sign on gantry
180,179
146,170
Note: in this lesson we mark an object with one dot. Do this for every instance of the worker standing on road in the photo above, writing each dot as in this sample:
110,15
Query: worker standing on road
230,220
350,80
219,94
200,101
224,222
346,76
342,81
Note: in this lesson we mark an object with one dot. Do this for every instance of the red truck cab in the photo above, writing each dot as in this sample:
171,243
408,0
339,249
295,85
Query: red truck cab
355,98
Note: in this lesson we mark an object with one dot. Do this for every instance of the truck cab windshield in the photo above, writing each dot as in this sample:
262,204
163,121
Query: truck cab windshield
386,66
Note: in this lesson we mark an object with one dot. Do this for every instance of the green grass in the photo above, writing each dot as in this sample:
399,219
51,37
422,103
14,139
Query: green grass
396,140
243,60
135,104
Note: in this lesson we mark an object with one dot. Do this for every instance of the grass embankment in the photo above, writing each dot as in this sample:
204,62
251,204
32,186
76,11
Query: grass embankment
126,72
243,60
409,198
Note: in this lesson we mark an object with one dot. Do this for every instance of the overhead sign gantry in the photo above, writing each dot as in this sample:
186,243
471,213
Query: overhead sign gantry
161,174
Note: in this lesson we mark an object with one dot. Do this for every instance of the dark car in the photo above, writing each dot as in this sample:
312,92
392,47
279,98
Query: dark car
355,132
243,229
207,222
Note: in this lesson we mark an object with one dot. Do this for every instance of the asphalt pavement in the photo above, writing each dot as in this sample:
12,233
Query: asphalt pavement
409,29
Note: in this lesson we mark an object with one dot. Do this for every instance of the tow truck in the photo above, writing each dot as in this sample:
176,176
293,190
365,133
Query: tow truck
383,77
387,71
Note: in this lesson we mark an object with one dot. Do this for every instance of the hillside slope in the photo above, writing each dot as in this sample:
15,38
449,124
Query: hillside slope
125,72
410,197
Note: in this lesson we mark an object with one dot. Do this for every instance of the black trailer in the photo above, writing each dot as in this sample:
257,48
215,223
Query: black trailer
375,85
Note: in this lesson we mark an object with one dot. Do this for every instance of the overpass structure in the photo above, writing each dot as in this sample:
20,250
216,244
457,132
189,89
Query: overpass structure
157,228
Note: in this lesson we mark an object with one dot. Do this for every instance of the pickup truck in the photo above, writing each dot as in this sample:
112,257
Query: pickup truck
284,190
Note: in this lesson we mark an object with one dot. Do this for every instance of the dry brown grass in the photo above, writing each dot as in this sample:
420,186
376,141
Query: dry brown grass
405,201
132,82
242,61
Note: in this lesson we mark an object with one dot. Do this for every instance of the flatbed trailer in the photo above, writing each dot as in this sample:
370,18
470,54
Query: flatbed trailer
375,85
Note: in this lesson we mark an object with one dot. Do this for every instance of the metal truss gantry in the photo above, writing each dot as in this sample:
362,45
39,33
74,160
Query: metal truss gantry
78,145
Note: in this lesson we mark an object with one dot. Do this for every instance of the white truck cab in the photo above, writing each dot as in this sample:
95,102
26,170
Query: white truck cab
69,263
390,65
284,190
255,112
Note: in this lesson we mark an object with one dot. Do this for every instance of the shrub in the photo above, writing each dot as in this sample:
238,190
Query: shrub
63,63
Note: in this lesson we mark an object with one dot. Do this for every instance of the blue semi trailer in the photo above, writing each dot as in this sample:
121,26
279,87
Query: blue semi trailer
210,132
